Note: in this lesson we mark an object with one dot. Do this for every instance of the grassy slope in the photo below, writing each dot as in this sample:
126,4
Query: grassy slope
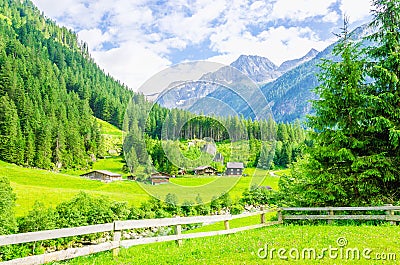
241,248
51,188
187,188
113,164
109,129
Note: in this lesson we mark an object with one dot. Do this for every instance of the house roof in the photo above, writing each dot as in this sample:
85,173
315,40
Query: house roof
204,167
234,165
104,172
160,176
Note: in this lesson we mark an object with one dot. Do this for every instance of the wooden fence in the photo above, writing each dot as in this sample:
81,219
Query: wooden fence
116,228
389,213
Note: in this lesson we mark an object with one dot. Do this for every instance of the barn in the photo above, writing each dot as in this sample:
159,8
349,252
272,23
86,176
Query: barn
102,175
205,170
234,168
159,178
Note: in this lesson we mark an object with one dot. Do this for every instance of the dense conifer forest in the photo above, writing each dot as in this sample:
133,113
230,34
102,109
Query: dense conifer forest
50,88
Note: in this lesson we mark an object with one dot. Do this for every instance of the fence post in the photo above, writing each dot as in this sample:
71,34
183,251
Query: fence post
178,232
390,213
330,212
262,215
116,238
226,224
280,217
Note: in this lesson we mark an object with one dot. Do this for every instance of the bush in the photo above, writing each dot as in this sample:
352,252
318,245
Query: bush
258,196
8,224
237,208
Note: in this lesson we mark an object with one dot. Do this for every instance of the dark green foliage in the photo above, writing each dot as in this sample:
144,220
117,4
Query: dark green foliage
50,89
8,223
356,154
187,208
236,208
11,145
258,196
329,176
85,210
171,201
38,219
80,211
200,207
267,156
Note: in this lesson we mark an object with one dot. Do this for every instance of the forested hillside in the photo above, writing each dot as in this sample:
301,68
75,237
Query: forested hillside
50,88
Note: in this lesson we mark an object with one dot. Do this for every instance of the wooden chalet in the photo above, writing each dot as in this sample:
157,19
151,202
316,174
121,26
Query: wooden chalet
234,168
159,178
205,170
102,175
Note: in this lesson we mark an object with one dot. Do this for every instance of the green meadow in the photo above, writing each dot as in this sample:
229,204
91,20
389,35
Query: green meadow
108,129
379,242
51,188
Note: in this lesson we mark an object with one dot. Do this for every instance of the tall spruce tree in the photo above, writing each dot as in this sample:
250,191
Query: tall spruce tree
329,176
384,117
356,158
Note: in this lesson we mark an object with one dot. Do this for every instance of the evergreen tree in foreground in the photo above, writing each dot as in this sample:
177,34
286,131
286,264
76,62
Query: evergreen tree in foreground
339,139
356,157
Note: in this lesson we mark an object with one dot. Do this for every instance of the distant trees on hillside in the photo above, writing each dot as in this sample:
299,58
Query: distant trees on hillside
50,89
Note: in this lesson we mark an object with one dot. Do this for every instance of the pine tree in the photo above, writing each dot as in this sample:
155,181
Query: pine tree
329,176
384,116
266,156
10,132
131,159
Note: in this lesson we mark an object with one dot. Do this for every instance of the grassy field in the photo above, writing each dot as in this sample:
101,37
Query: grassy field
108,129
52,188
189,187
244,247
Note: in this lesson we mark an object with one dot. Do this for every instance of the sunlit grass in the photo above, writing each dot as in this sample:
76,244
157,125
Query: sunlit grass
109,129
52,188
242,248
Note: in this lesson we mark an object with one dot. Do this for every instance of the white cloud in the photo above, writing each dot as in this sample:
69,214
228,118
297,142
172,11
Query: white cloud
332,17
225,59
148,33
277,44
195,27
94,37
356,9
299,10
131,63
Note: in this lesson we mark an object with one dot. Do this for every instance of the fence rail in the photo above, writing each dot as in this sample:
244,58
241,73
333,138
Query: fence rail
118,226
388,216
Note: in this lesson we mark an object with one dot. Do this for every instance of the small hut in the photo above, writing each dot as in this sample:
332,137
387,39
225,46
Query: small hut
234,168
102,175
159,178
205,170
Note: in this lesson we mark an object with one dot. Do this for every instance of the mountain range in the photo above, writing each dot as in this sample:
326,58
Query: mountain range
283,91
260,70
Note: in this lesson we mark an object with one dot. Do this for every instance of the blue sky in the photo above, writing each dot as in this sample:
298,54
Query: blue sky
134,39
